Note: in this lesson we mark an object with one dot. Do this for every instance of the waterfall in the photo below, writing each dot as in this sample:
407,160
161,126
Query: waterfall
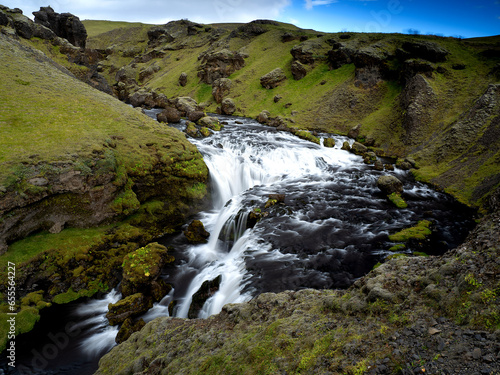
328,228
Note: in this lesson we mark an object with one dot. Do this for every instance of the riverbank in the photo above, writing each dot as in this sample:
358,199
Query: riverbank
410,315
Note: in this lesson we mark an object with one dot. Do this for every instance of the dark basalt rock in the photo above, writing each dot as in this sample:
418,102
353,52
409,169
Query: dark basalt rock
426,50
207,290
64,25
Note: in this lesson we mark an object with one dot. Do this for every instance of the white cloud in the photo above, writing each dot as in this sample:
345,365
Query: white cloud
161,11
312,3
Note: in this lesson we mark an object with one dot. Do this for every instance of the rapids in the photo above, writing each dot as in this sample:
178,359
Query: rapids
331,228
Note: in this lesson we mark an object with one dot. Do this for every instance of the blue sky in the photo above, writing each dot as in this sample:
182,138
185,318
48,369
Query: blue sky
448,18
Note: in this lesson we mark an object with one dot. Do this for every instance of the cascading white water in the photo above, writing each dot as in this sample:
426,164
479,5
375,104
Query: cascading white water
237,163
331,229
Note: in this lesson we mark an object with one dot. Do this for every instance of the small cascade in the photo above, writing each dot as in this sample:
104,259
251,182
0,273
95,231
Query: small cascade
328,228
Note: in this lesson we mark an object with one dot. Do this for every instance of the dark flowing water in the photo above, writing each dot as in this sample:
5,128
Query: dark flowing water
331,229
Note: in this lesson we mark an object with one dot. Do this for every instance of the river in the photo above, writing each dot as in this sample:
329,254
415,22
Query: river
328,227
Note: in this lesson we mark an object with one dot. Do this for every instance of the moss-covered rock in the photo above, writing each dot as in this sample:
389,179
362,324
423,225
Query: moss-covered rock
419,232
128,307
142,267
389,184
329,142
210,122
308,136
196,233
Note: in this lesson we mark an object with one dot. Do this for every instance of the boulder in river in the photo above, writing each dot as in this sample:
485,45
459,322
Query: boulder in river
207,290
169,115
130,306
196,233
389,184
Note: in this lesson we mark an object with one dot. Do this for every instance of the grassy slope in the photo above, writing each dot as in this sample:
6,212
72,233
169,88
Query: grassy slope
95,28
328,100
47,113
49,118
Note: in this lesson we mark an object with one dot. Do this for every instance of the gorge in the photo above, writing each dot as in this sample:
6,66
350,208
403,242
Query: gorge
296,227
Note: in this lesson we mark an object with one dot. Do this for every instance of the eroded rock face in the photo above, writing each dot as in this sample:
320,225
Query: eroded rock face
417,99
221,88
273,78
426,50
219,64
64,25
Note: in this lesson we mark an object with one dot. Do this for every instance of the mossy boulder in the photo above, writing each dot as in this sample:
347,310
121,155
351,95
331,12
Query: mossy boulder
210,122
128,307
308,136
228,107
329,142
398,200
192,129
358,148
142,267
389,184
196,233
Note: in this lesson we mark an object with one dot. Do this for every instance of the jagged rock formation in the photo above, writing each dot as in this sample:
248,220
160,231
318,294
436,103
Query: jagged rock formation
65,25
219,64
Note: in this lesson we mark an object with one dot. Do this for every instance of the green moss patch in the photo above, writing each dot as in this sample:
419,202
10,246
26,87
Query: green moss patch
398,200
418,232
